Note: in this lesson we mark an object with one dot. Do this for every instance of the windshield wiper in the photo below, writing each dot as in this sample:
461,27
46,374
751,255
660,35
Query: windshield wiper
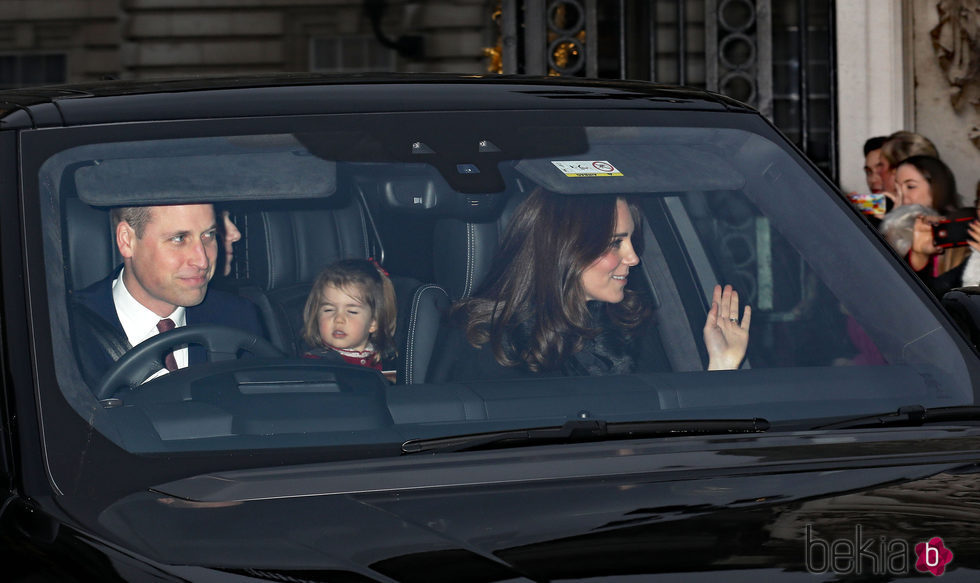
908,416
582,431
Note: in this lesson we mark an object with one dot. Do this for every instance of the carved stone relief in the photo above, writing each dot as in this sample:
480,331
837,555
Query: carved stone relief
956,40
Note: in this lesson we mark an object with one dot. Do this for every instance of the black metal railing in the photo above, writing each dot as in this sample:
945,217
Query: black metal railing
776,56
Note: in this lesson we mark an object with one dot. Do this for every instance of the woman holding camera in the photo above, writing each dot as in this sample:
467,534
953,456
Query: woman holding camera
937,251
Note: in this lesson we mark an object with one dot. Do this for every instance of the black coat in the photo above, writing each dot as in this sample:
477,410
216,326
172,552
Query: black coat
218,307
612,351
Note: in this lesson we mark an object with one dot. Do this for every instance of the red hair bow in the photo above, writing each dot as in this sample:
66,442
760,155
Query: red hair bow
378,265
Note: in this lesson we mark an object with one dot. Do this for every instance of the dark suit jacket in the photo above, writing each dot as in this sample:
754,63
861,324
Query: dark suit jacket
218,307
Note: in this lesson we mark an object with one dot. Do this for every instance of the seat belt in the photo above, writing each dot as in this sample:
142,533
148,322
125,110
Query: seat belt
675,333
112,341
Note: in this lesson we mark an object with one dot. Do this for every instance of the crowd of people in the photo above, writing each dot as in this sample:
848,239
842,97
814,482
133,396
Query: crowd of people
922,207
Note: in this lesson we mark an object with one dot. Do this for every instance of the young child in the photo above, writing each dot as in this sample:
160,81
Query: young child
351,312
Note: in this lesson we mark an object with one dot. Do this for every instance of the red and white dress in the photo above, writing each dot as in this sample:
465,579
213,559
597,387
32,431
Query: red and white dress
358,357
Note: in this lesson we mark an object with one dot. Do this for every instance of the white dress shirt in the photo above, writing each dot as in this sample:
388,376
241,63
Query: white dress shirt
140,323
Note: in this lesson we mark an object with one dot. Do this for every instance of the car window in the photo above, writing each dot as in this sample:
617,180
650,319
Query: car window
838,328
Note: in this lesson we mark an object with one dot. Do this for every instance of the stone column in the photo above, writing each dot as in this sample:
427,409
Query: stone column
872,98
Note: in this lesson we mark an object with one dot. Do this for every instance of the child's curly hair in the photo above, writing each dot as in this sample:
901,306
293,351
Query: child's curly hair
367,282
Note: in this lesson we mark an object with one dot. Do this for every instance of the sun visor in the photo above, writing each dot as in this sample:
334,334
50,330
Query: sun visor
191,170
629,168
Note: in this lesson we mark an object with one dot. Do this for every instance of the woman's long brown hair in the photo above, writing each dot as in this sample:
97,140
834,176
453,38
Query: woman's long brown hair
535,281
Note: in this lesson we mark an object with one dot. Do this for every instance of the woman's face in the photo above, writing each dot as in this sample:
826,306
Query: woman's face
913,186
605,279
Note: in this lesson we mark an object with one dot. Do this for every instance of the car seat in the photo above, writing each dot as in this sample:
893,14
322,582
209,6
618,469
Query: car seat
284,251
89,244
286,248
463,252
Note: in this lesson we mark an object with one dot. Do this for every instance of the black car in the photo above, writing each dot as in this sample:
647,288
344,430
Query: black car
845,444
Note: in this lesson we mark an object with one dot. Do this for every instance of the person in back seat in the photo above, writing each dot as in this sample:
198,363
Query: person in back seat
169,257
229,236
351,313
555,299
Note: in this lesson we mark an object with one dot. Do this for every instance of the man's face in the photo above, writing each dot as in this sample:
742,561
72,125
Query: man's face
172,263
874,166
887,174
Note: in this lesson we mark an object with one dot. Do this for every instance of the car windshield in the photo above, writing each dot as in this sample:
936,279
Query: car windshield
838,328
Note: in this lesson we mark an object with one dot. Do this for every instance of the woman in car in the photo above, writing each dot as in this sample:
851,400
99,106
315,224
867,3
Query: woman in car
555,299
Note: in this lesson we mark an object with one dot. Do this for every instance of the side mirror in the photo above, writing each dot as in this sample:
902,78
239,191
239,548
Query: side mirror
963,305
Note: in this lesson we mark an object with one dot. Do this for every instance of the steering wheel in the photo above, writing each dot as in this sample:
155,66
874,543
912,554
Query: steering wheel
146,358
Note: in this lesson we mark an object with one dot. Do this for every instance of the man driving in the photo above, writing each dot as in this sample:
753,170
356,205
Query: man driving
169,256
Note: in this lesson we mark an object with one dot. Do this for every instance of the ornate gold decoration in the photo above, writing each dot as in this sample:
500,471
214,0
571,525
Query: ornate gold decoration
564,53
495,53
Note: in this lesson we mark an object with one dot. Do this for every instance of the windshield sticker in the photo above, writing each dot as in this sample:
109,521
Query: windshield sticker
580,168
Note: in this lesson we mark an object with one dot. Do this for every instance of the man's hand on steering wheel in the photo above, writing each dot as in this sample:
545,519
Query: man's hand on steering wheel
146,358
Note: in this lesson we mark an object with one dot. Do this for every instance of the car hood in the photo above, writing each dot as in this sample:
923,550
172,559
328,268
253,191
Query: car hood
746,505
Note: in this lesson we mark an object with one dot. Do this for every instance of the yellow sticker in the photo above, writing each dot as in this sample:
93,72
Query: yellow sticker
583,168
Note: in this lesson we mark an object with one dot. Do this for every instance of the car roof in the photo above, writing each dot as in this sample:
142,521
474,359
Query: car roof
305,93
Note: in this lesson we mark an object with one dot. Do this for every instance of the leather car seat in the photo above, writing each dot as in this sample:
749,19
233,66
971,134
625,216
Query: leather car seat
89,244
426,311
463,252
286,249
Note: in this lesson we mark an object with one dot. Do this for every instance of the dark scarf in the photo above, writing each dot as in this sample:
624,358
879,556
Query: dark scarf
609,352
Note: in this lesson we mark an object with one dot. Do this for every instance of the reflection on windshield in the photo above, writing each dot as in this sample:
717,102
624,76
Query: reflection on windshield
277,290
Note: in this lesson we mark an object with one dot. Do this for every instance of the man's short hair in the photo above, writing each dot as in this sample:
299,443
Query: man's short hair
136,216
874,143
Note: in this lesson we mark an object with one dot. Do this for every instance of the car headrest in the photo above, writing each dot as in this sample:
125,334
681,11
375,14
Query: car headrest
464,250
90,247
286,247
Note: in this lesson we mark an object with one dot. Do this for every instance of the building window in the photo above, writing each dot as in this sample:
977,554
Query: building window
32,69
350,54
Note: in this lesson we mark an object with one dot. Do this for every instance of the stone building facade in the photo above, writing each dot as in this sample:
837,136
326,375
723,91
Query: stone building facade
86,40
891,76
888,76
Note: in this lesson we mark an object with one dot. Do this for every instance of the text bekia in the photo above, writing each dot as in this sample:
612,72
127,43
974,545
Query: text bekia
873,555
